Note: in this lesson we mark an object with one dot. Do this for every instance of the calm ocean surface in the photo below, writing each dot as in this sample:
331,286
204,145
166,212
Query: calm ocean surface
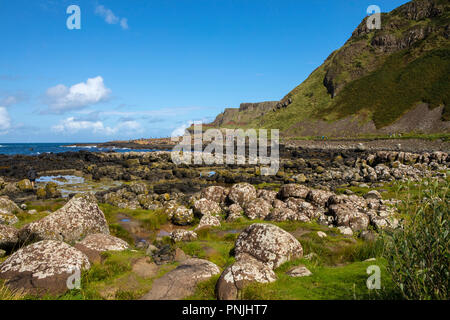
40,148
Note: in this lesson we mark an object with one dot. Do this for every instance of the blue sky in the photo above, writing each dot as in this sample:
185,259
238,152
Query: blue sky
145,68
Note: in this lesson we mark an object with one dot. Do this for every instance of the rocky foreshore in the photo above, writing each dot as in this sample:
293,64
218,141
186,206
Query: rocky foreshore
311,187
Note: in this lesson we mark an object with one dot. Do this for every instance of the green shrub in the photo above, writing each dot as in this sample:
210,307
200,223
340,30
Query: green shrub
418,255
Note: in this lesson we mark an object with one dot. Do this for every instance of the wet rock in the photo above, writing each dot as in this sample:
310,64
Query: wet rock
240,274
293,191
258,209
183,235
182,281
299,272
206,207
8,237
268,244
78,218
183,216
242,194
43,267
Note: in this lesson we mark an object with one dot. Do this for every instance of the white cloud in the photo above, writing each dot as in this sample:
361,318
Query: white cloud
124,23
72,125
110,17
5,120
61,98
178,132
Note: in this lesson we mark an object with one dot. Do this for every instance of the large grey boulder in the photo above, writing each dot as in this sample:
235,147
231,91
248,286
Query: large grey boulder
78,218
268,244
182,281
44,267
241,273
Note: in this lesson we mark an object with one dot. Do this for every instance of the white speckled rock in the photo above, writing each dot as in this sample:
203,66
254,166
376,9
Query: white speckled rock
268,195
208,221
234,212
286,214
242,194
8,237
268,244
258,209
183,235
319,197
8,209
206,207
293,190
43,267
78,218
215,193
240,274
183,216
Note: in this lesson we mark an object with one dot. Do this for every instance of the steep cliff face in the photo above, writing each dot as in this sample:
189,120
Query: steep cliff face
374,80
245,113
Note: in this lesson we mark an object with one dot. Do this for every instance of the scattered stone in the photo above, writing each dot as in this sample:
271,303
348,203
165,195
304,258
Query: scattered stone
43,267
23,206
208,221
373,194
150,249
183,235
182,281
32,212
25,185
346,231
183,216
370,259
299,272
321,234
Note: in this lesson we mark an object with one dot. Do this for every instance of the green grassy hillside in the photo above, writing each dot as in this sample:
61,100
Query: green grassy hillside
378,75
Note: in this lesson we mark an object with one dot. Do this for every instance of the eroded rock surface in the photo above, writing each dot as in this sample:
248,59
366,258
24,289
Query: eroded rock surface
43,267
